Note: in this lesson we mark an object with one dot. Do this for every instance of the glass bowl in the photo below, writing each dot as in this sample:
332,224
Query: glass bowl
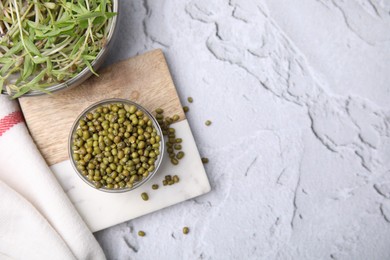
107,102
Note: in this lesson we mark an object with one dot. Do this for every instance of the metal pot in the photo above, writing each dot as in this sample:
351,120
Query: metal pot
85,73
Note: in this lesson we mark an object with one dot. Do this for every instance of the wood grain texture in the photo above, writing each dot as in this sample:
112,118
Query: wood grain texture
144,79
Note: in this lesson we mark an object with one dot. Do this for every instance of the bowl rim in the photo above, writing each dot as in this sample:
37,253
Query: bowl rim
111,101
86,72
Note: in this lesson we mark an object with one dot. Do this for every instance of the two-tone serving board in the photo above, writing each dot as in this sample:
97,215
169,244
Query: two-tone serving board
146,80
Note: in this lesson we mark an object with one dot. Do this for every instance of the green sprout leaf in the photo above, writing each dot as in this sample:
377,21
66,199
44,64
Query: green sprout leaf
49,42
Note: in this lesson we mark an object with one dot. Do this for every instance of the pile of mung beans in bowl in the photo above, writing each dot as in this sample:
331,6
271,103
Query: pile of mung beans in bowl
116,145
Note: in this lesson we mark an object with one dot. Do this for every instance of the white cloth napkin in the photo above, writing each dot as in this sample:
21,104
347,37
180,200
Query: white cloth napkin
37,220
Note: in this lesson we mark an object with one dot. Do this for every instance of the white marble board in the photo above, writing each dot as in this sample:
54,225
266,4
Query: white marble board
101,210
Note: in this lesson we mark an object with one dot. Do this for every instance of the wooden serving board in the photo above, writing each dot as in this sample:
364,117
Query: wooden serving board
144,79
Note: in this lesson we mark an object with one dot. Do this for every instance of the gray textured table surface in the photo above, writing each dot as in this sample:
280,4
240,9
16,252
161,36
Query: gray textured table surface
298,92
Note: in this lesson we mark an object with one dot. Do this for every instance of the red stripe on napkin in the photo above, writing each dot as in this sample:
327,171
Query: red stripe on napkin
9,121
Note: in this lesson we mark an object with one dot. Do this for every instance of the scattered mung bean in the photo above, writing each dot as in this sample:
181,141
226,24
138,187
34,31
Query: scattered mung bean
173,142
174,161
186,230
175,118
180,155
159,111
144,196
